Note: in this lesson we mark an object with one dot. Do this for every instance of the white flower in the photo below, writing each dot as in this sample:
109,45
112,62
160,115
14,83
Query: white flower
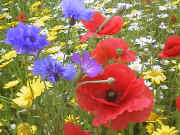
162,15
136,65
133,26
162,26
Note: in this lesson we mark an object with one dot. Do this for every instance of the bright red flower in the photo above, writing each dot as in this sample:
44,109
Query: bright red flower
21,17
172,47
71,129
113,26
178,103
107,49
118,104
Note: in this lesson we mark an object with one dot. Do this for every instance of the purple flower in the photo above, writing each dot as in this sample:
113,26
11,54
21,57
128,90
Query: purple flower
89,65
26,39
76,9
51,69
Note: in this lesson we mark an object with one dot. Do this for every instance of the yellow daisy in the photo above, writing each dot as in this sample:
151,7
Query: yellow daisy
150,128
11,84
26,129
13,24
155,117
1,126
72,118
9,55
58,27
156,76
126,23
53,50
45,18
33,89
1,106
3,27
174,3
165,130
7,3
81,47
35,7
4,64
52,35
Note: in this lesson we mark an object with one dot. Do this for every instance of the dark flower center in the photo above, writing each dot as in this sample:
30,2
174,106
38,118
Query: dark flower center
111,95
72,21
31,38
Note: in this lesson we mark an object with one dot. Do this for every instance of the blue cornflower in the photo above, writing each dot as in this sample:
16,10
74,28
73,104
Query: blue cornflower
69,71
51,69
76,9
89,65
26,39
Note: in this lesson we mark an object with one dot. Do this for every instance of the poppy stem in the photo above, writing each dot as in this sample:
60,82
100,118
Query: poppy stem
110,80
177,119
131,129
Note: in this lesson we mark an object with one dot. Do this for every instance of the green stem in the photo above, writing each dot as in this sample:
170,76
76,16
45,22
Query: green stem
141,129
104,130
131,129
123,132
177,120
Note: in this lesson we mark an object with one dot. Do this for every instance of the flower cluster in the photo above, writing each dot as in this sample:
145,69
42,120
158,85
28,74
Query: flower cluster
98,75
26,39
51,69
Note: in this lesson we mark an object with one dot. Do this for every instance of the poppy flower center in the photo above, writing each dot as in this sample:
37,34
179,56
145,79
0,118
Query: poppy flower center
111,95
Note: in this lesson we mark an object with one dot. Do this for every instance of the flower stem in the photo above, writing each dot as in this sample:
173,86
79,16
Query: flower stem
109,80
131,129
177,120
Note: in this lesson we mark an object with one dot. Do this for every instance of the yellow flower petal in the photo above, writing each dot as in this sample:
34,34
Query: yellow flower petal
11,84
9,55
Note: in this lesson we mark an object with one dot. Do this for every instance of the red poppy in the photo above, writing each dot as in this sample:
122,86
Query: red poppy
173,19
172,48
21,17
113,26
108,49
71,129
178,103
115,105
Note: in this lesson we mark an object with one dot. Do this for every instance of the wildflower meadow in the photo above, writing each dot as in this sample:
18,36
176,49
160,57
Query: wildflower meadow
90,67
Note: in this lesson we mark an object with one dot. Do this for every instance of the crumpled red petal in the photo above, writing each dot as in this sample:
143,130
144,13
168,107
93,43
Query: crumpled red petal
92,25
107,49
112,27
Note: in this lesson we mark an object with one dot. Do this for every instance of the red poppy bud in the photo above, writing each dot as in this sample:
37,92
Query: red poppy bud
173,19
172,48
